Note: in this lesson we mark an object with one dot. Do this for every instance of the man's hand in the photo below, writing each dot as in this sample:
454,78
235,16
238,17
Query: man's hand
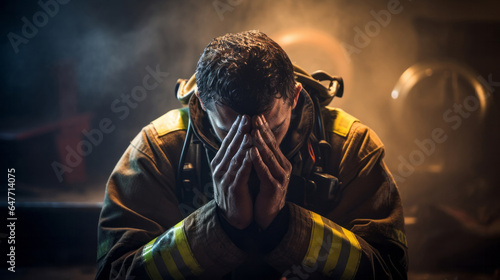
273,170
231,168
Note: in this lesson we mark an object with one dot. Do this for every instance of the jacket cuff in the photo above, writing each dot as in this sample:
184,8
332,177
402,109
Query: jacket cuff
274,233
253,239
292,248
215,251
316,245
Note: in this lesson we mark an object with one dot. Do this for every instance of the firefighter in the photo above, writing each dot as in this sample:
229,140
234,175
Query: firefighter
282,205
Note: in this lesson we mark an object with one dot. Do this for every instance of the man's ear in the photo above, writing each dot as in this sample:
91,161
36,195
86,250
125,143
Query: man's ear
298,89
201,103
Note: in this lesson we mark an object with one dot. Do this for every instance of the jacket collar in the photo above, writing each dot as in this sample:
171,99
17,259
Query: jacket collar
301,125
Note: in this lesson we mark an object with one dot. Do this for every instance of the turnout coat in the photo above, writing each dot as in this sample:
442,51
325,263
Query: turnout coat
353,232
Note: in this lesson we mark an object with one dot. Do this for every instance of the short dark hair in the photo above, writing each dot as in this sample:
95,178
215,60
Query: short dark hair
244,71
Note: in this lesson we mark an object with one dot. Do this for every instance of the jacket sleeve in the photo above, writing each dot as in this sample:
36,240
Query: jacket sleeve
362,237
142,234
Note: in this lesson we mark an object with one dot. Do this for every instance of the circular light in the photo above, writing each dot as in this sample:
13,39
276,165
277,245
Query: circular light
394,94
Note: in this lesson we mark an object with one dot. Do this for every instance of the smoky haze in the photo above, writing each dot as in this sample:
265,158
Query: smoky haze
111,43
111,46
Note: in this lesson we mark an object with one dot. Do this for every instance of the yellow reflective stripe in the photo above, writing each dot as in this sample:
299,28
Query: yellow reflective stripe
354,256
334,253
344,250
342,121
185,251
177,260
315,242
147,254
170,264
174,120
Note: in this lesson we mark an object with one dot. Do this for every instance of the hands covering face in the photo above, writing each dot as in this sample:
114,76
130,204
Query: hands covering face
250,143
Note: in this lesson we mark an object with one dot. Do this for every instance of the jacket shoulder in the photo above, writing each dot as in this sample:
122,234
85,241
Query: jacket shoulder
350,138
174,120
338,121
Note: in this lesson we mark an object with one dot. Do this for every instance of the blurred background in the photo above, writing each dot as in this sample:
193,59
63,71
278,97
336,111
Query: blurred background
79,79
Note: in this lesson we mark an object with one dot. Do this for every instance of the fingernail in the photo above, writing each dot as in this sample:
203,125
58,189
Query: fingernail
244,120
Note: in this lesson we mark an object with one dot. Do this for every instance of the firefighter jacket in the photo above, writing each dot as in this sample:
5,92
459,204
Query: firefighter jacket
354,232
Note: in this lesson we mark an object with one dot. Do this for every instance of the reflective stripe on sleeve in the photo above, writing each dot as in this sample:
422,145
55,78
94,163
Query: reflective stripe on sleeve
147,254
316,241
170,257
354,256
186,253
332,249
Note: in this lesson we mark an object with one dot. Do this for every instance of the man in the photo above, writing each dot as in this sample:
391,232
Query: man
255,124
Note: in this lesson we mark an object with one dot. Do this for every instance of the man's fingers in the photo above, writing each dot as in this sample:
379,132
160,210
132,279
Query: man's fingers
269,139
267,155
244,172
280,157
230,144
236,143
267,133
260,167
226,142
237,160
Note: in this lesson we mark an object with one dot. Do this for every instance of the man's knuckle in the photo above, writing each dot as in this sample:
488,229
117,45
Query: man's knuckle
235,160
273,143
217,176
224,182
282,177
232,172
231,190
229,150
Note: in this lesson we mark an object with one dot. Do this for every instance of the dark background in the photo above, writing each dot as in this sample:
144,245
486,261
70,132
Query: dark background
65,79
